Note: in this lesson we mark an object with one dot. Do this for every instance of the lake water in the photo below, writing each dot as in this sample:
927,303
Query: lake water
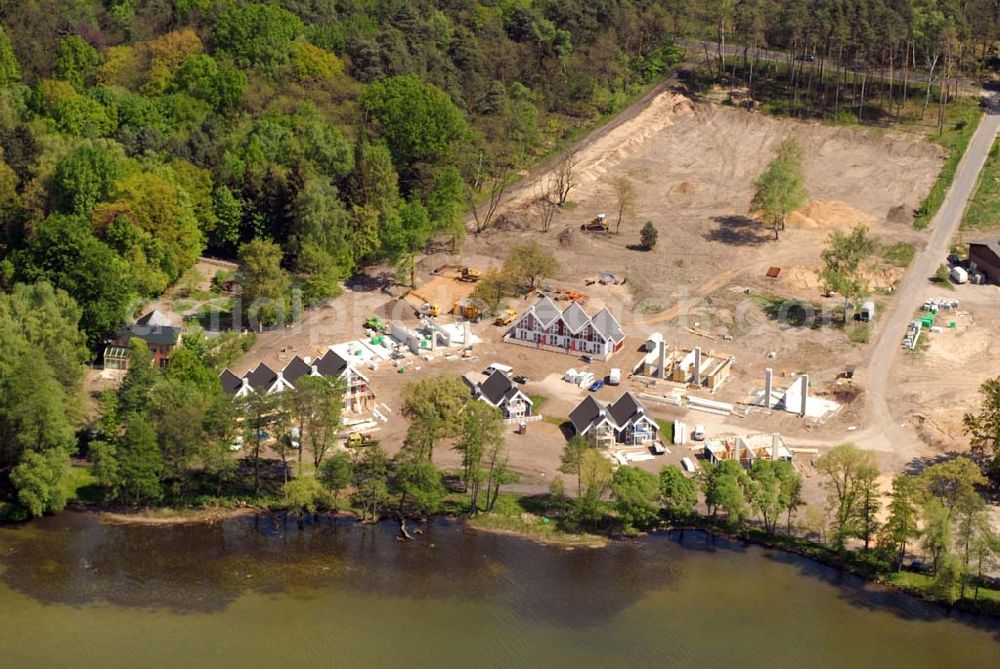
255,592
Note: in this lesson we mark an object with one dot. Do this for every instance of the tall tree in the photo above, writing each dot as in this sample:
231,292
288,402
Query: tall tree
780,189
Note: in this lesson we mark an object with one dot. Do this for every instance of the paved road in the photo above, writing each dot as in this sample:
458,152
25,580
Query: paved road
915,288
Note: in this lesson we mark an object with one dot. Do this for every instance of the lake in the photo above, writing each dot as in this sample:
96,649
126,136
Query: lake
258,592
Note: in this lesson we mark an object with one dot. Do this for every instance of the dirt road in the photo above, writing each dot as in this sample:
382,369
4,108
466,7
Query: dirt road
913,290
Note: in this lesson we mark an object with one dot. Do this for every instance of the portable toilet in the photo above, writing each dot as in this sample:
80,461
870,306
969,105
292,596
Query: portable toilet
868,311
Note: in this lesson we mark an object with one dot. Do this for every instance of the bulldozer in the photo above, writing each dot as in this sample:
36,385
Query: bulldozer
470,275
359,440
598,223
469,312
431,310
506,317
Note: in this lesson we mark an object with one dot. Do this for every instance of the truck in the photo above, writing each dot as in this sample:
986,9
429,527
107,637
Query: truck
506,317
614,376
959,274
470,275
431,310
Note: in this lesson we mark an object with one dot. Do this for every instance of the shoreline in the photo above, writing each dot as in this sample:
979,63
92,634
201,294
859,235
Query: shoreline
802,548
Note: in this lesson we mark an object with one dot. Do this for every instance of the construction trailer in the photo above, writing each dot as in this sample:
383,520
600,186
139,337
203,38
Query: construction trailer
746,449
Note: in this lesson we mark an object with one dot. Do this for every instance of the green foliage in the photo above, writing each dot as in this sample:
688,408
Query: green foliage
635,491
726,487
63,251
529,263
84,178
850,479
780,190
38,479
417,119
257,35
76,61
983,426
647,236
678,493
264,282
336,473
10,69
843,260
303,495
418,483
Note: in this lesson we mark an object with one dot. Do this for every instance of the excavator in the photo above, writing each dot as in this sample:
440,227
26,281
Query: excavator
465,273
598,223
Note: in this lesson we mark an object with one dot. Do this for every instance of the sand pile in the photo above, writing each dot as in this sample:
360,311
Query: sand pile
819,215
801,278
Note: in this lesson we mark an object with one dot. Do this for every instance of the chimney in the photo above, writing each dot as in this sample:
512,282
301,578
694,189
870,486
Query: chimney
697,365
662,369
805,393
775,442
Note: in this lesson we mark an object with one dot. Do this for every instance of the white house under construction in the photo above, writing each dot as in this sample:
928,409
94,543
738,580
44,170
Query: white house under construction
570,331
623,422
358,395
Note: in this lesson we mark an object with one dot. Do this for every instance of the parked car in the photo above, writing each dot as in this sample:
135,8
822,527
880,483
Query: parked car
586,357
521,378
237,444
699,433
596,385
657,448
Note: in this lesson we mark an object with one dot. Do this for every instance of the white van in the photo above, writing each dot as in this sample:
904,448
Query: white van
615,376
585,379
497,367
699,433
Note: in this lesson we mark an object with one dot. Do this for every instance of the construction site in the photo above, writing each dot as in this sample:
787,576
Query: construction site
723,326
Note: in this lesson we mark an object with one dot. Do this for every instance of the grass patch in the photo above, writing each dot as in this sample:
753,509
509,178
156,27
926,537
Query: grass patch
555,420
537,401
510,515
922,585
666,430
984,207
899,254
793,312
80,485
858,334
961,119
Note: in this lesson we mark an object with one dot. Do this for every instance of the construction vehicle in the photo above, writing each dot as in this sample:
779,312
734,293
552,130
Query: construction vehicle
506,317
431,310
469,312
470,275
359,440
598,223
375,324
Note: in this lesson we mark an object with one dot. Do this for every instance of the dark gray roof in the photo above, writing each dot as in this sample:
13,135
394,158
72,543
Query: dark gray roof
608,326
625,409
546,311
992,244
296,369
331,364
152,328
585,413
496,387
262,378
230,382
575,317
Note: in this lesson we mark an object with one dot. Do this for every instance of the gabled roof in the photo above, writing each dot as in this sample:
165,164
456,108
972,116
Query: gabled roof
496,387
262,378
296,369
546,311
585,414
625,409
154,319
331,364
992,244
575,317
152,328
608,325
230,382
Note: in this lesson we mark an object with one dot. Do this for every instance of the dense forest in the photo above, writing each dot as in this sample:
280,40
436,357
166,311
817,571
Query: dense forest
311,138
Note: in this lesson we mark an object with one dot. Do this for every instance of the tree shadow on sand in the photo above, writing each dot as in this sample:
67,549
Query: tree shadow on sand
737,231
